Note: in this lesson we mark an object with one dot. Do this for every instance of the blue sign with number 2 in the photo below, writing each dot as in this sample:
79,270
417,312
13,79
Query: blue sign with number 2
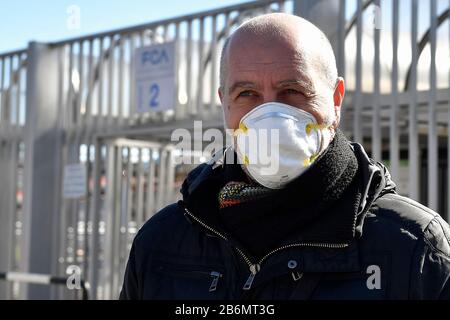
154,93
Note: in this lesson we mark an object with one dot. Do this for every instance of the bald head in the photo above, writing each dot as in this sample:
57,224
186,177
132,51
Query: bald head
280,58
293,33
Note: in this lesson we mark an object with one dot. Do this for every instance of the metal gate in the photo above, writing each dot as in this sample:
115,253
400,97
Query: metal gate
71,102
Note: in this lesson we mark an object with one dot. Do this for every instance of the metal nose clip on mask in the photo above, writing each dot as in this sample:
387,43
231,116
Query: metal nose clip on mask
276,143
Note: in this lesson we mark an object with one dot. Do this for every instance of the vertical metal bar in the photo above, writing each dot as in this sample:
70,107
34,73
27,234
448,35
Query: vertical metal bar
357,113
87,209
170,178
90,82
150,209
117,235
9,108
2,82
81,111
110,80
60,219
131,81
432,125
2,95
227,24
122,194
5,217
8,207
140,191
413,144
12,208
376,129
142,37
18,88
213,61
79,132
200,68
190,105
166,32
180,111
110,209
161,179
69,104
127,210
394,151
100,117
23,77
448,138
341,35
94,245
129,195
75,203
120,83
71,213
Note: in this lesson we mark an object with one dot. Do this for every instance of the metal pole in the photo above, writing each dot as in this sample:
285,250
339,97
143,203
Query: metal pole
413,147
394,132
376,126
95,216
432,114
42,163
448,143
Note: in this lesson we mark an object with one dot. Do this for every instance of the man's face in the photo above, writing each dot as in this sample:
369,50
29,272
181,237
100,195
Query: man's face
260,71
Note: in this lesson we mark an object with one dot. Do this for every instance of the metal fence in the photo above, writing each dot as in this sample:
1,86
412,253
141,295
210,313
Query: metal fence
80,109
12,120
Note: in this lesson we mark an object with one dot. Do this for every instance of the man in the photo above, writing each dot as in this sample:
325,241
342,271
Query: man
327,224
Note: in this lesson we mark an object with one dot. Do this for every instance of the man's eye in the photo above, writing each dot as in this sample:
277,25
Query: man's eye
291,91
246,94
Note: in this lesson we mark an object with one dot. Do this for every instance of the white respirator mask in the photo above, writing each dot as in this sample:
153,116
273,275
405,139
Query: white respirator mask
275,143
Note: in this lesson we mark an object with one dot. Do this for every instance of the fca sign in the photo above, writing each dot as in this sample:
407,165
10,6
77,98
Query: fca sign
154,56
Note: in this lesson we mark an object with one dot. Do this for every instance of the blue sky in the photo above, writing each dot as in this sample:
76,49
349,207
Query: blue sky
46,20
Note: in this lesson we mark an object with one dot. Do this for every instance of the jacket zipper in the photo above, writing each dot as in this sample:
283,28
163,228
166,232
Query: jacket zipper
215,280
256,267
214,275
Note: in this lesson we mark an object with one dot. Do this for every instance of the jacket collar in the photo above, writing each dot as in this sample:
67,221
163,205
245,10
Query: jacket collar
375,181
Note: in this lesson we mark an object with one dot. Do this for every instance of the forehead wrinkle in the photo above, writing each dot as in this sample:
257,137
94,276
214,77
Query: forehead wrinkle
304,82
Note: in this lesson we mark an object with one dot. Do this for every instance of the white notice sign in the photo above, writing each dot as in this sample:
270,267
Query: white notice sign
155,81
75,181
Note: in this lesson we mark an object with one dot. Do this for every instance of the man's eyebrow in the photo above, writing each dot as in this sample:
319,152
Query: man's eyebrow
304,83
241,84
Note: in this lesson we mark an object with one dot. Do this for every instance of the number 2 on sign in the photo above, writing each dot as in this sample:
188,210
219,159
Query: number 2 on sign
154,93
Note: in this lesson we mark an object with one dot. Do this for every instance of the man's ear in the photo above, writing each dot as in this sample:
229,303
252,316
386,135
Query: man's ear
339,92
338,98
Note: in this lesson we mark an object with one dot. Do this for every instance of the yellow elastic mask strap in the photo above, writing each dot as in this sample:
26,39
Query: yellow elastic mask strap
309,127
242,129
308,161
246,161
314,126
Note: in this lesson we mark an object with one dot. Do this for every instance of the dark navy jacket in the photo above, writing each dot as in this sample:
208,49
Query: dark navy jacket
401,251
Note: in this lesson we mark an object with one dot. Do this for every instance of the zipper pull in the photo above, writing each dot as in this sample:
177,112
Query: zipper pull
216,276
254,269
296,275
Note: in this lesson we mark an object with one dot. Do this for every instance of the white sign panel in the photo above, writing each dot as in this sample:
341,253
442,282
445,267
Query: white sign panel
155,81
75,181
